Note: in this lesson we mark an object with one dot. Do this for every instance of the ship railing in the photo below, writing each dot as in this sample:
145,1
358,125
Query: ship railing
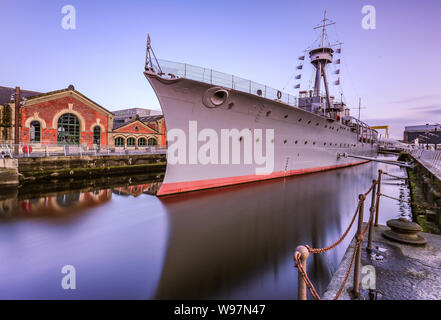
49,149
171,69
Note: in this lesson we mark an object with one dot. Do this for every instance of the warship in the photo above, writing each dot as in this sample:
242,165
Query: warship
311,132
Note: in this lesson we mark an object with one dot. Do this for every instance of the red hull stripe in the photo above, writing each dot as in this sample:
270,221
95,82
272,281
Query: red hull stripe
178,187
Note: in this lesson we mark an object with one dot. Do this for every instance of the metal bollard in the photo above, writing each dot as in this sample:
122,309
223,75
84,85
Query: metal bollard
371,212
377,209
355,288
301,286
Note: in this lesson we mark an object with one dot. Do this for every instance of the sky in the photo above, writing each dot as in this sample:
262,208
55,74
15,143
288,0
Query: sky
394,68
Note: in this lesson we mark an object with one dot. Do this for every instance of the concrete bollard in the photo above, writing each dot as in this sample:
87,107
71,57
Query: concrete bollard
301,287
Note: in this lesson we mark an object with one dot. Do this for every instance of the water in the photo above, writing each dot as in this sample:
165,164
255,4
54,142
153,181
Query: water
234,243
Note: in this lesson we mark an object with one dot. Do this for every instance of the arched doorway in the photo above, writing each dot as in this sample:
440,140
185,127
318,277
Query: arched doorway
68,129
97,136
35,132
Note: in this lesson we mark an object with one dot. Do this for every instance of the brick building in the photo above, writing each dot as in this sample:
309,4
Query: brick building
68,117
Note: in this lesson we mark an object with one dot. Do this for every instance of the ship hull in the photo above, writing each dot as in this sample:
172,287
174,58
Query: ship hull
303,142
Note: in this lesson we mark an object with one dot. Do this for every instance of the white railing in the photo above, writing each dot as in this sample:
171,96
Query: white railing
33,150
172,69
431,158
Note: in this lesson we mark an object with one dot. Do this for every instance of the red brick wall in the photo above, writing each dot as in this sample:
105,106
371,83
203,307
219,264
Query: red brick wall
48,109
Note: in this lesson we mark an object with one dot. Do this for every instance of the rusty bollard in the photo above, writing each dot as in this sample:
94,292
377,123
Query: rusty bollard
355,288
371,212
301,286
377,209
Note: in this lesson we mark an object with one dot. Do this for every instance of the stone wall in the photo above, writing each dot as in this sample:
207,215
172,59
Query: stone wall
89,166
8,172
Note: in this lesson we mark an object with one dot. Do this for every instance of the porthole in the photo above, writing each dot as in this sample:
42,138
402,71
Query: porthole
317,124
300,119
324,143
285,141
306,142
268,113
313,142
286,116
296,142
230,105
309,121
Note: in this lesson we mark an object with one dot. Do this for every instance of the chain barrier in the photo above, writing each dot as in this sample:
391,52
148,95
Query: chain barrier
297,256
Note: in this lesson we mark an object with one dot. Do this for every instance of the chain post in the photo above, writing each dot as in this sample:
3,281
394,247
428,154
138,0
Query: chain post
301,286
371,220
359,237
377,209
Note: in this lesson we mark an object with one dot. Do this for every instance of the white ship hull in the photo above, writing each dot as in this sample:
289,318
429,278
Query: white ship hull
304,142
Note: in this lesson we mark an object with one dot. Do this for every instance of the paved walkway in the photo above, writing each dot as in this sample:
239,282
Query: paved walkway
402,272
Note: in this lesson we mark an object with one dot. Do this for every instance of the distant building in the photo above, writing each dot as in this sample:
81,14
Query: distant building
426,134
67,116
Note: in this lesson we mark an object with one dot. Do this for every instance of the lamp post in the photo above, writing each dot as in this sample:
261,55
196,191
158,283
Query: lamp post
17,120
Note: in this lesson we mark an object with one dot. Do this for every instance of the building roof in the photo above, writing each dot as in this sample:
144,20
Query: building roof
423,127
70,88
145,120
151,118
6,93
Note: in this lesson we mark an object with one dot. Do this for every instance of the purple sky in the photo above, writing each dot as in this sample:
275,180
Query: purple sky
391,67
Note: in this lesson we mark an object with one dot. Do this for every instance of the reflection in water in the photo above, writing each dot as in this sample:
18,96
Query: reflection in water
235,242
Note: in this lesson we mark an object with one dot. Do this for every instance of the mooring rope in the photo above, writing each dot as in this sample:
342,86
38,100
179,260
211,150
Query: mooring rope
397,177
410,202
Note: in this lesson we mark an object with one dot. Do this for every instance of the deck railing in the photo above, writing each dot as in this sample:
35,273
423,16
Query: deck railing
171,69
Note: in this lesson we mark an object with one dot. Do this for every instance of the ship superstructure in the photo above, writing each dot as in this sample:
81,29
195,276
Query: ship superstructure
309,133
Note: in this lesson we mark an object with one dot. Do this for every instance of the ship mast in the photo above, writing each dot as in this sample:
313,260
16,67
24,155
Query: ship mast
320,57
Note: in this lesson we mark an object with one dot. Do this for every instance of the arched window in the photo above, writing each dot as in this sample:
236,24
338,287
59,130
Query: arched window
119,142
152,142
130,142
35,131
68,129
97,135
141,142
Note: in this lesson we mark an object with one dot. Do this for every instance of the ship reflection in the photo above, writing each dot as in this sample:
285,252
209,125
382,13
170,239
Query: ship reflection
238,242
